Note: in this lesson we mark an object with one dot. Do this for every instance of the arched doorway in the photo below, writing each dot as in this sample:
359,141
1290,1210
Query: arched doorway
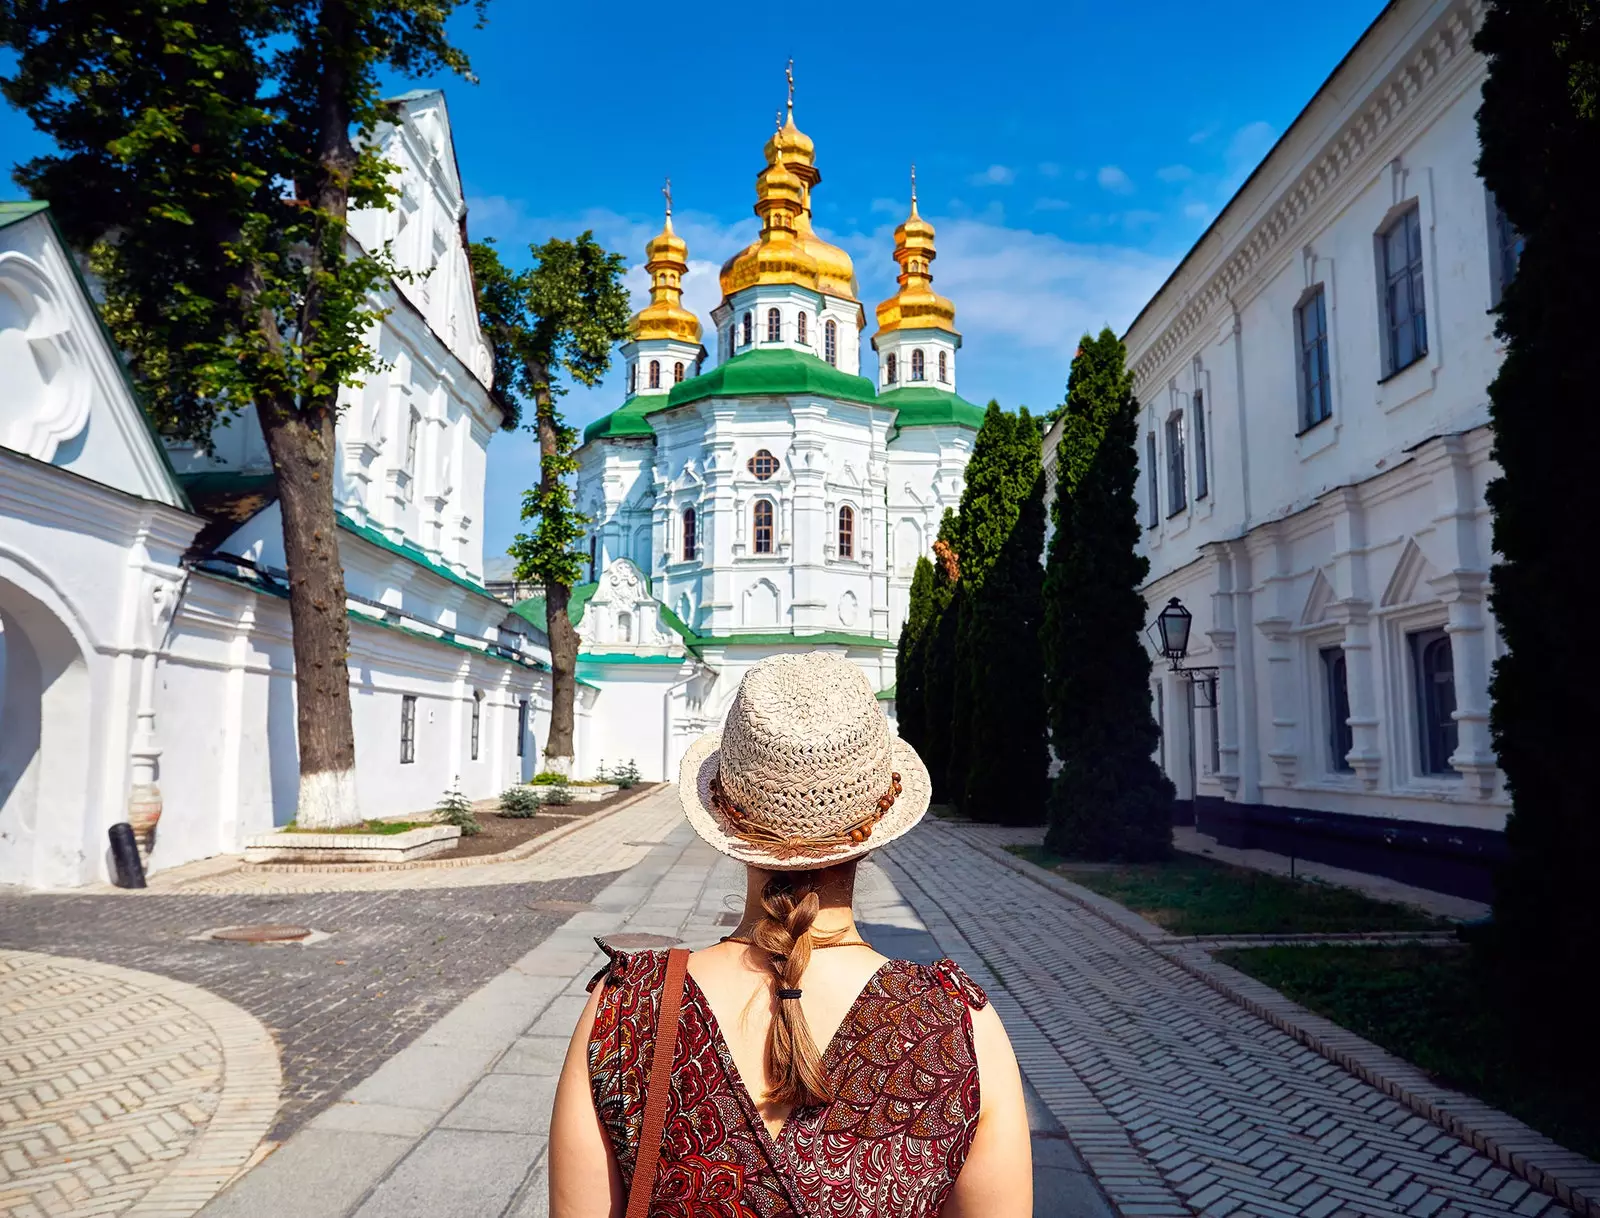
45,733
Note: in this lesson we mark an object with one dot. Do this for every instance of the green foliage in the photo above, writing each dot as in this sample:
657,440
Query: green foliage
194,169
547,778
1110,799
455,809
1001,663
938,651
558,794
908,659
520,801
1539,127
1438,1008
626,775
561,315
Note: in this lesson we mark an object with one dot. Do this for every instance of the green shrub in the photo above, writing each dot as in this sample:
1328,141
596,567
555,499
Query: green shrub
626,776
548,778
456,809
558,794
520,802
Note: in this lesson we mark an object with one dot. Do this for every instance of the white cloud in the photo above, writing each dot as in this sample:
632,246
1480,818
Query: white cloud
1202,135
1197,211
1112,178
1245,149
1174,173
995,175
890,206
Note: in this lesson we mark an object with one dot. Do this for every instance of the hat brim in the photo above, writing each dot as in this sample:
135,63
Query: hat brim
699,767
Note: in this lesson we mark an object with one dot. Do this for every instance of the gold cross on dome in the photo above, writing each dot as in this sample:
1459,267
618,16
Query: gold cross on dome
913,183
667,191
788,74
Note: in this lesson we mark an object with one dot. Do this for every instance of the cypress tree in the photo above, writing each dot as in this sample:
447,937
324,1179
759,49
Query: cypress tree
1539,128
1110,800
908,660
990,501
938,648
1002,661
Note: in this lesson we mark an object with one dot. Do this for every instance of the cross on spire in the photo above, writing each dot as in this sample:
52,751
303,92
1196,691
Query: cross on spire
788,74
667,191
913,183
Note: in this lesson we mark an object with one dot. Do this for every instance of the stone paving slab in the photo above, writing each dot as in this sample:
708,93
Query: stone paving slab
123,1092
1180,1100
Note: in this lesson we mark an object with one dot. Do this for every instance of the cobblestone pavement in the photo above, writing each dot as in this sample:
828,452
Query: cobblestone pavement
1180,1101
123,1092
392,964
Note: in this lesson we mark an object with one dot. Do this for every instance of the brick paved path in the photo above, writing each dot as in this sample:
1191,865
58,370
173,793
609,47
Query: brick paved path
1180,1101
123,1092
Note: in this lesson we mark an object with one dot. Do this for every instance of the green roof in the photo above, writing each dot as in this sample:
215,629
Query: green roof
887,695
532,609
928,407
406,550
12,212
628,422
770,373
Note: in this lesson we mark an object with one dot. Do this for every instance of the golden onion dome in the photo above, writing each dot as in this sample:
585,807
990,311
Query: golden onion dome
916,306
667,259
794,148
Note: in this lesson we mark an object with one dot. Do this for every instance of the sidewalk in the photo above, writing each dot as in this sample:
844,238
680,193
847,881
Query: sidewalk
456,1124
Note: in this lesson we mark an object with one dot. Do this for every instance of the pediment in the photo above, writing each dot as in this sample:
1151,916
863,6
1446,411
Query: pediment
1318,601
1410,578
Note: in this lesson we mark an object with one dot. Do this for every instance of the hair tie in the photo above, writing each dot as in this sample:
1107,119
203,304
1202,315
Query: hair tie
787,994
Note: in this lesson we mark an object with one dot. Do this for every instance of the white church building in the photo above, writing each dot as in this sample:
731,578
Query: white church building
1315,450
144,628
777,501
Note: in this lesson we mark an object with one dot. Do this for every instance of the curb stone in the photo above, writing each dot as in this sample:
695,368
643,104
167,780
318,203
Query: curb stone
1545,1164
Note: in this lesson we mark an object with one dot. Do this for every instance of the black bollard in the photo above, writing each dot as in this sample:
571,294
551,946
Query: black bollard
125,856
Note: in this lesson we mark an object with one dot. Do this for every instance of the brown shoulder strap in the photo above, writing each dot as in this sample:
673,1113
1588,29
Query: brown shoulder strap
655,1102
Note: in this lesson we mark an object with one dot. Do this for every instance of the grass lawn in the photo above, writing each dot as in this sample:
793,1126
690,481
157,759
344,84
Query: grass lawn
384,828
1190,895
1433,1007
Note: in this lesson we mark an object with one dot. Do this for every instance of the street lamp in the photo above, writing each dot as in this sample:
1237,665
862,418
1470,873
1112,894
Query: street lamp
1174,622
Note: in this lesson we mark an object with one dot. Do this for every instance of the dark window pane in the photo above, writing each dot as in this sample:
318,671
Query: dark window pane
1434,669
1341,738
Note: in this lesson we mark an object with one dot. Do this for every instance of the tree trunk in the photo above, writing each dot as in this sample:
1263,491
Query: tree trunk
302,457
559,752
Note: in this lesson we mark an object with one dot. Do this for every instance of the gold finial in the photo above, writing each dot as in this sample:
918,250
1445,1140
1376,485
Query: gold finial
913,188
777,120
788,74
667,191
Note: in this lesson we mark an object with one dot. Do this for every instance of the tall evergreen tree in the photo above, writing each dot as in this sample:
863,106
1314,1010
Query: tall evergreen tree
561,315
908,660
990,501
1539,129
208,156
1110,799
938,648
1001,659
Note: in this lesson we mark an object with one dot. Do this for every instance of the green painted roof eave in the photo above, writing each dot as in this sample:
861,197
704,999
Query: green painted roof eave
628,423
929,407
777,372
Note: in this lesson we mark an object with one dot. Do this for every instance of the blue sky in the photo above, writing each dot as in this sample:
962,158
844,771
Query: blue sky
1068,156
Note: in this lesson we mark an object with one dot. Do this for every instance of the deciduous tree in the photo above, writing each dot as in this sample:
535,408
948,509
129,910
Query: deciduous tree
561,315
209,154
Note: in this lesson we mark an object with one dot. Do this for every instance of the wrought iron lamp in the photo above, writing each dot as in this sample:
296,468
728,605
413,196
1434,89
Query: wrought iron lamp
1170,634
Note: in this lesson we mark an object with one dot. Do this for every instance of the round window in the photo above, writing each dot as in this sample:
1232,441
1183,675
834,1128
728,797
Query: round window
763,465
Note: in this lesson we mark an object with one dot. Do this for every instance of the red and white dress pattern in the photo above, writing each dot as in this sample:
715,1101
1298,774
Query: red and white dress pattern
889,1145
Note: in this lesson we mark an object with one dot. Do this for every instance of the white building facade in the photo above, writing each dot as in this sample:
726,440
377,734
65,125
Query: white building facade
778,501
1314,455
144,629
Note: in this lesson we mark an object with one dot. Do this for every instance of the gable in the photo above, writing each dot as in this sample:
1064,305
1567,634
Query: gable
68,401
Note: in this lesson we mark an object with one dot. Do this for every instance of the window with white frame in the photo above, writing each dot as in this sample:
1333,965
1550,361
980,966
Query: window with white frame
800,327
774,325
1405,319
847,532
408,728
1434,689
761,519
689,540
746,330
944,368
1336,700
918,365
1152,515
1177,488
1315,380
1505,250
677,373
655,374
477,720
891,369
830,342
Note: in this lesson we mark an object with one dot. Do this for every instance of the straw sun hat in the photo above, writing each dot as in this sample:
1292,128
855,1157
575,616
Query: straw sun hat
805,772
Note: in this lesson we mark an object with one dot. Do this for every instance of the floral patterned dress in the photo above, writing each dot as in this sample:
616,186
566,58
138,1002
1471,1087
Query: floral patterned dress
889,1145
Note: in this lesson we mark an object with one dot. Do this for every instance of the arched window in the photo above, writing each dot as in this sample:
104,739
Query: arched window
745,338
689,540
762,517
916,365
830,343
774,325
800,327
847,533
763,465
891,370
633,378
944,369
655,374
624,627
677,372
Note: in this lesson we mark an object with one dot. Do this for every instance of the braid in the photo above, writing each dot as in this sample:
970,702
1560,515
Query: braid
789,905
